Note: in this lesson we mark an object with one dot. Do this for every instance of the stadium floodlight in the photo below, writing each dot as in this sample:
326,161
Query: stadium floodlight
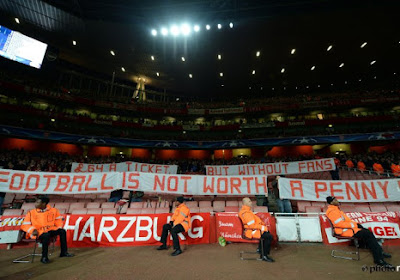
183,59
152,57
175,30
254,72
185,29
363,45
219,57
345,82
112,53
123,69
283,70
164,31
329,48
219,26
373,62
74,42
196,28
154,32
222,85
17,20
208,27
190,76
231,25
221,74
312,68
158,74
341,65
258,53
293,51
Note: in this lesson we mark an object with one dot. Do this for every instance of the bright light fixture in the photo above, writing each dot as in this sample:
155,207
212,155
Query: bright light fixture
219,26
373,62
158,74
53,120
164,31
152,57
283,70
74,42
112,52
154,32
329,48
185,29
254,72
219,57
123,69
190,76
341,65
363,45
293,51
17,20
174,30
258,53
313,68
221,74
196,28
208,27
222,85
231,25
183,59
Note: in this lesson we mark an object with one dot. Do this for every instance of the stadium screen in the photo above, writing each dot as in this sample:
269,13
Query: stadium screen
21,48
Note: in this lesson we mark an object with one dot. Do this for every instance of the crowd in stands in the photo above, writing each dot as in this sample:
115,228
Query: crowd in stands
388,162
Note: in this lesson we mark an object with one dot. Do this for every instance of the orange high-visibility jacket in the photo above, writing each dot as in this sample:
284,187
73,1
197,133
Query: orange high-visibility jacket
378,168
395,169
181,216
42,220
253,226
361,166
349,164
343,225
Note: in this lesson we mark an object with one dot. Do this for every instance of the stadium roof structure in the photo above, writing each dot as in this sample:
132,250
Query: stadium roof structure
272,46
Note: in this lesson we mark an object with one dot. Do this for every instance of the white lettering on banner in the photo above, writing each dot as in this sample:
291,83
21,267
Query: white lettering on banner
344,191
276,168
127,166
81,183
89,224
196,232
121,237
106,230
146,228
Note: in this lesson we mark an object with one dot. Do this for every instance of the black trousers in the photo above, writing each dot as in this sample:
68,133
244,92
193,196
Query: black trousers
45,240
174,233
369,238
267,239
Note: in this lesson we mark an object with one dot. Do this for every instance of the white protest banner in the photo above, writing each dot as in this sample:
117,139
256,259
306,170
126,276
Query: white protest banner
79,183
195,184
127,166
275,168
345,191
58,183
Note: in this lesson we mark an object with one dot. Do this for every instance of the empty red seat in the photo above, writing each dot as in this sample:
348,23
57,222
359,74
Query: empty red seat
393,208
194,209
108,205
377,207
64,205
13,212
93,205
234,203
109,211
205,204
231,209
313,209
93,211
348,208
318,203
79,211
148,211
362,208
62,210
261,209
301,205
219,206
162,210
136,205
150,204
206,209
8,198
27,206
163,204
76,205
134,210
191,204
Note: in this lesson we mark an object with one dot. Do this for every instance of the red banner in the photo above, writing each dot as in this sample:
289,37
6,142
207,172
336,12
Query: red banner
384,225
230,227
129,230
10,223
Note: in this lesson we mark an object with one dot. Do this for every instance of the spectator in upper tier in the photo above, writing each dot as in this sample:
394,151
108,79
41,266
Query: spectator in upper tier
395,169
361,166
349,163
377,167
284,205
335,173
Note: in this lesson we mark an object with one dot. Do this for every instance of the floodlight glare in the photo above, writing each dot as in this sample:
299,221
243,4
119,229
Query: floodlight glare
219,26
164,31
283,70
174,30
185,29
258,53
231,25
341,65
17,20
329,48
154,32
312,68
196,28
208,27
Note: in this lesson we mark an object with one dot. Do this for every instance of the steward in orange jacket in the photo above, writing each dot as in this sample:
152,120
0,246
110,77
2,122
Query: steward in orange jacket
45,223
395,169
180,222
378,168
349,163
361,166
346,227
253,227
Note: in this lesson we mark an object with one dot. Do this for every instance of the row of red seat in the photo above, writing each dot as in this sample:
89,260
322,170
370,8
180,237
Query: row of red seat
318,207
